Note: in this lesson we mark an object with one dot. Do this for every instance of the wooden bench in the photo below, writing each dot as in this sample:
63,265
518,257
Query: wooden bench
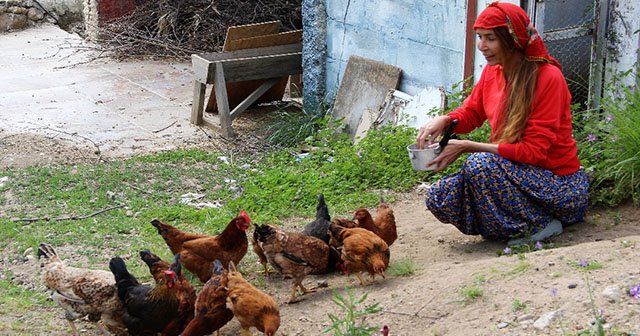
270,63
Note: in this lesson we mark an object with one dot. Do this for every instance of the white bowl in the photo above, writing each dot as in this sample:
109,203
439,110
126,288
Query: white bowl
420,157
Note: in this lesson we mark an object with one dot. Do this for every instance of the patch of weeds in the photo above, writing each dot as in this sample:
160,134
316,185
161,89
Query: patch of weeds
517,305
616,218
586,264
352,321
403,268
471,292
556,275
520,268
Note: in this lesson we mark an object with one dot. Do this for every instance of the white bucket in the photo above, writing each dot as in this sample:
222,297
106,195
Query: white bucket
420,157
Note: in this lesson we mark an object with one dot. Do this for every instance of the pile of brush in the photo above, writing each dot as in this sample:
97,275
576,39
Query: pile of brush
177,29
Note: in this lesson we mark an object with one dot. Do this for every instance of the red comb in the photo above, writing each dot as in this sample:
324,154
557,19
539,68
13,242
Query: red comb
245,215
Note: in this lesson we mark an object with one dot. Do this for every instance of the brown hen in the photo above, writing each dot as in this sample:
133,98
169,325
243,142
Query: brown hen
211,312
251,306
384,225
362,250
199,251
293,255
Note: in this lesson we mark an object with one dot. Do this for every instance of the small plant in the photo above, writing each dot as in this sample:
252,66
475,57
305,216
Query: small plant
517,305
598,314
403,268
471,292
634,291
586,264
352,322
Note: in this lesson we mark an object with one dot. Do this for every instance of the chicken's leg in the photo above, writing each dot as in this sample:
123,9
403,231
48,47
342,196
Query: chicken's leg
293,294
245,332
74,330
306,290
362,282
266,269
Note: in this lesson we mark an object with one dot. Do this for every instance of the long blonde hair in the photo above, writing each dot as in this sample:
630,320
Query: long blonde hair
521,85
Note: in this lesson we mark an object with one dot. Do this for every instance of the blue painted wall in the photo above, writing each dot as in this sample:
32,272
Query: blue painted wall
425,38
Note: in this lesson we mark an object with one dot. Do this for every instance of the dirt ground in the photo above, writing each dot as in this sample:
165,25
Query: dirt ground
428,302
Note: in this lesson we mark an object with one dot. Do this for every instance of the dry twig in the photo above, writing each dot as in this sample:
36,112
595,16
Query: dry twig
178,29
67,217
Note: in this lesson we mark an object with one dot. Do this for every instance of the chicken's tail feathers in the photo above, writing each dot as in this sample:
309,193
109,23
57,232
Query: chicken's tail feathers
120,271
382,203
322,211
47,251
162,227
176,265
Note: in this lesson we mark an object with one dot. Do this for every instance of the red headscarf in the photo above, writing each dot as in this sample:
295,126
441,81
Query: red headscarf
524,34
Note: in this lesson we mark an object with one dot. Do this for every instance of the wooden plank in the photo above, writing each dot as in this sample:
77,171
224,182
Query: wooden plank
262,67
198,102
253,97
362,92
204,64
239,91
290,37
250,30
252,52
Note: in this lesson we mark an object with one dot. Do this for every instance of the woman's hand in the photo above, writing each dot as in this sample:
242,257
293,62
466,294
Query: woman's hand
450,153
430,131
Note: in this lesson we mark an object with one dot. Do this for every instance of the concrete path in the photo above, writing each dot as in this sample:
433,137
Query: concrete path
48,87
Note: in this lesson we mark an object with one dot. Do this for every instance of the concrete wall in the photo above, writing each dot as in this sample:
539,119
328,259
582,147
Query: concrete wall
623,42
425,38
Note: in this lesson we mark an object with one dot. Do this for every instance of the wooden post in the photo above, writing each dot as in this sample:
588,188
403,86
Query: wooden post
198,102
220,89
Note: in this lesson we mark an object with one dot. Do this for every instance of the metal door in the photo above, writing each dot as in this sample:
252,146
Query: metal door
571,33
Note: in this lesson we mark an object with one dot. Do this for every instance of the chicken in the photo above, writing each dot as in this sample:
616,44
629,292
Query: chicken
362,250
211,305
148,310
293,254
199,251
186,295
319,228
385,330
251,306
82,292
257,249
384,225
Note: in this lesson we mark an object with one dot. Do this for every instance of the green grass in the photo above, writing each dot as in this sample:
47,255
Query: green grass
403,268
586,265
517,305
471,292
17,300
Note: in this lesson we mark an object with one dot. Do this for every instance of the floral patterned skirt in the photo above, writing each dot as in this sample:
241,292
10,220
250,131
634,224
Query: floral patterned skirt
498,199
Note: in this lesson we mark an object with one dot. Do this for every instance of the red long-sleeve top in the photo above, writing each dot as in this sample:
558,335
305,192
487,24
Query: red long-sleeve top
547,141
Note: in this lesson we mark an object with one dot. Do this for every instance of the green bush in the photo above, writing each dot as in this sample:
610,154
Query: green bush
609,144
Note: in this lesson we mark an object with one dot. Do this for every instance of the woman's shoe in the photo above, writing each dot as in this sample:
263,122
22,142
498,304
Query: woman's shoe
554,228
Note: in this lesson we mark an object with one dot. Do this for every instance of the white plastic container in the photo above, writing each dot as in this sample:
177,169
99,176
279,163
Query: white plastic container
420,157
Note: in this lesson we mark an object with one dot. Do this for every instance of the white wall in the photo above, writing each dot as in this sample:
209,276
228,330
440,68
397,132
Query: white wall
624,42
425,38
